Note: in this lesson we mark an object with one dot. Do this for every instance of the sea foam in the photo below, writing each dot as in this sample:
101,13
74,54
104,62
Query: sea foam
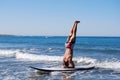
109,64
35,57
24,56
8,53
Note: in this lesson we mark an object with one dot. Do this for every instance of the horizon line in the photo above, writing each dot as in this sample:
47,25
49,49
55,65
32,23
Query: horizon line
57,35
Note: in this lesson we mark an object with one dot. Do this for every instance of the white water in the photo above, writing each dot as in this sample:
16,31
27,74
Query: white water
17,54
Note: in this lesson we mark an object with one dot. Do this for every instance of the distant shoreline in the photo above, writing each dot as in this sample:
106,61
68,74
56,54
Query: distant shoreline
6,35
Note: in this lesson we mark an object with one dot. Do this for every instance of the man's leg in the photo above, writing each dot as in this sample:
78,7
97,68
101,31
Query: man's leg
74,30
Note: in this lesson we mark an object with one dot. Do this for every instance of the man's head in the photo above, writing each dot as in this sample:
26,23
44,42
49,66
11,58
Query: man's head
65,65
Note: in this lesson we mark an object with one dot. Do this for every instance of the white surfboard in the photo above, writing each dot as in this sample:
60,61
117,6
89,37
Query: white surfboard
85,67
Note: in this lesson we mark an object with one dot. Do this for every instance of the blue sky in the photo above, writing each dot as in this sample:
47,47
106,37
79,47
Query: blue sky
56,17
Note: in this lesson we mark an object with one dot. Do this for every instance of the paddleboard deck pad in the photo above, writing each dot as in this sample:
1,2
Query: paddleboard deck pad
52,69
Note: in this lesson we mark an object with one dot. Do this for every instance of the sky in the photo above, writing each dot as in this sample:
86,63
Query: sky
56,17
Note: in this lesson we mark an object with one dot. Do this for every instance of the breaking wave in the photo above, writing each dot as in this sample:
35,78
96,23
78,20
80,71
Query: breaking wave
113,64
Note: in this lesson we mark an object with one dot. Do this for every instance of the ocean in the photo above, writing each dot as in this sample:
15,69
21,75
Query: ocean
17,53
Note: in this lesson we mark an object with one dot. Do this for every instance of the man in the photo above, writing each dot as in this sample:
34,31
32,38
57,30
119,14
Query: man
67,60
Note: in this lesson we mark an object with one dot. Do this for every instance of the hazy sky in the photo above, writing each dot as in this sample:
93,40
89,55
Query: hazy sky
56,17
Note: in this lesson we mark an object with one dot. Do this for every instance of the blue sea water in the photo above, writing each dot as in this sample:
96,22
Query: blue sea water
17,53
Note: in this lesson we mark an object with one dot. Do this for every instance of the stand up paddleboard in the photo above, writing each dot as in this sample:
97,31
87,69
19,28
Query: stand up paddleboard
86,67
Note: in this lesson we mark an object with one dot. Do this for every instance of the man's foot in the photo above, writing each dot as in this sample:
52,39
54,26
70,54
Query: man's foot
77,21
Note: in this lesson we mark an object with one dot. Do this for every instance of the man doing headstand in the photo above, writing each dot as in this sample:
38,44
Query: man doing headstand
67,59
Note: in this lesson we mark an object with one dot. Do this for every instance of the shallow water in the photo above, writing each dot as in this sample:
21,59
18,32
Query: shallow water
17,53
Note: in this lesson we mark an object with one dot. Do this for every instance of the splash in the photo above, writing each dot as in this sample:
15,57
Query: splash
24,56
35,57
8,53
109,64
113,64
